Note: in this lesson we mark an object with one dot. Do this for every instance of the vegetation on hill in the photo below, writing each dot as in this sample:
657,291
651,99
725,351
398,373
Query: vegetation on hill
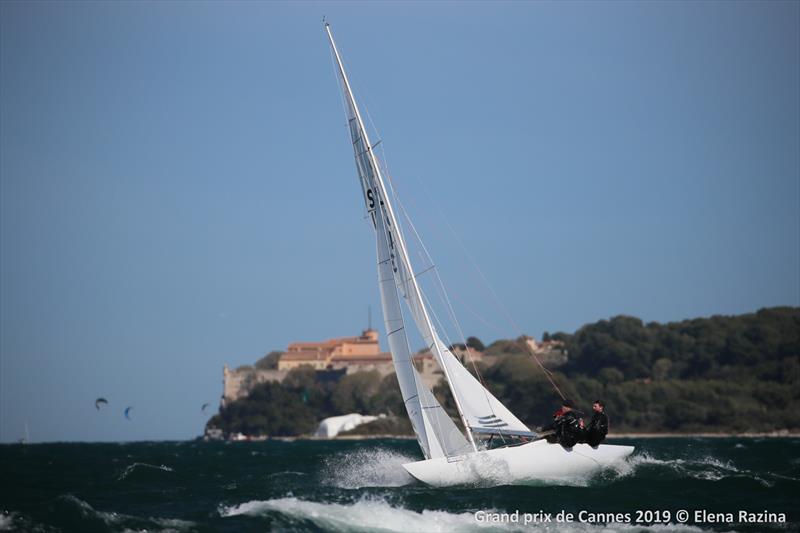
269,361
295,406
718,374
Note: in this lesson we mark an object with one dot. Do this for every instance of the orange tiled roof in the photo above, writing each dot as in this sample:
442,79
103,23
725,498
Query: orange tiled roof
329,344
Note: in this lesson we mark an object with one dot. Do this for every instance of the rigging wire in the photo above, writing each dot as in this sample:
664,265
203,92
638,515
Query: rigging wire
383,161
443,294
370,177
548,374
496,299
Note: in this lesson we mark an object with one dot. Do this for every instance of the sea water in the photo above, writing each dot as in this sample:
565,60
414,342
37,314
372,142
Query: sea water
362,486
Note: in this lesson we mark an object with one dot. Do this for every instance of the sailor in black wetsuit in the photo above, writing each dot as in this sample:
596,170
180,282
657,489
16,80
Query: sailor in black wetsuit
568,427
598,427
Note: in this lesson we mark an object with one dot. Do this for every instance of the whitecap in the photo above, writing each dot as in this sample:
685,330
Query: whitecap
286,473
6,521
131,468
379,515
363,515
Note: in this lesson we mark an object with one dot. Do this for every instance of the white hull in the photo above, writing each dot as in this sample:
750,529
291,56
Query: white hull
535,462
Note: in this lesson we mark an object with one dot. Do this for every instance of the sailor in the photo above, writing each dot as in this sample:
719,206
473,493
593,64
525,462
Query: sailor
598,427
567,426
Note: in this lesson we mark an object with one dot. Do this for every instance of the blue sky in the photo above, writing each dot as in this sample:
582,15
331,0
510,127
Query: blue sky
177,188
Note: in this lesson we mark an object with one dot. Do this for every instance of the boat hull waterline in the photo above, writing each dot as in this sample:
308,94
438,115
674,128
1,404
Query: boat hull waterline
532,463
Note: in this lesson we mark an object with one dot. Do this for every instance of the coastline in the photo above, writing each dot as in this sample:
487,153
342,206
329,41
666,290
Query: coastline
771,434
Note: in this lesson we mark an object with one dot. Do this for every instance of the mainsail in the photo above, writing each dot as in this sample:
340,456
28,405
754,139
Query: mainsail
480,411
437,434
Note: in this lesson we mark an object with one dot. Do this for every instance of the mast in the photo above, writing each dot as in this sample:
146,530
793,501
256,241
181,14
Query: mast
399,236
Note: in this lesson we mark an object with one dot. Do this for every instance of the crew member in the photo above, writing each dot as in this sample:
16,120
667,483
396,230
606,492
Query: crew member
567,426
597,429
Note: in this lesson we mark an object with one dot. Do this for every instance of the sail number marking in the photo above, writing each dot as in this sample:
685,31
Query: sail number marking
389,231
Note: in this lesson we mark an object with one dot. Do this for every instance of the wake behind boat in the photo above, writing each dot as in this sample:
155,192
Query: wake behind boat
451,457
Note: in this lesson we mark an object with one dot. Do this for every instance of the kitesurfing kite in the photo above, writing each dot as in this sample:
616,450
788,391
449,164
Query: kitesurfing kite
127,412
204,407
99,401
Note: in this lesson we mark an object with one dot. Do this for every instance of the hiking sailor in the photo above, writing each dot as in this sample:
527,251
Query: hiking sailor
567,426
597,429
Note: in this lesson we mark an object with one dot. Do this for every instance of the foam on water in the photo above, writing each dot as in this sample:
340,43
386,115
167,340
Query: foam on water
368,467
704,468
379,515
286,473
381,467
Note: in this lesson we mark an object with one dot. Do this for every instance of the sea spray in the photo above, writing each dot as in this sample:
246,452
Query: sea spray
367,467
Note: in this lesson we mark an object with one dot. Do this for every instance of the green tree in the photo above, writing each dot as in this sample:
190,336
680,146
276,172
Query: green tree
269,361
476,344
355,392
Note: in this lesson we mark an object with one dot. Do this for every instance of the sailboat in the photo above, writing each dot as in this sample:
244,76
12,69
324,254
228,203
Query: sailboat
452,457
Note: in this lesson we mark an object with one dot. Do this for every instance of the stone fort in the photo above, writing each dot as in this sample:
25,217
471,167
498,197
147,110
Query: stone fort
346,355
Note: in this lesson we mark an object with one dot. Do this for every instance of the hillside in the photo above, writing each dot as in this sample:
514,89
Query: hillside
719,374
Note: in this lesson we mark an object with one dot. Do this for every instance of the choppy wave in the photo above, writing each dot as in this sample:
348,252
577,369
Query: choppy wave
78,515
362,486
379,515
367,467
134,466
706,468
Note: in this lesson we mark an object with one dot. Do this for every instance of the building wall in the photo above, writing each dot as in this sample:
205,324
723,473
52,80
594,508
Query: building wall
384,369
316,365
239,383
357,348
354,354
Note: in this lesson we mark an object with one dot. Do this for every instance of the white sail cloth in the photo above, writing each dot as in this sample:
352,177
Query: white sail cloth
483,412
438,436
410,384
449,440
